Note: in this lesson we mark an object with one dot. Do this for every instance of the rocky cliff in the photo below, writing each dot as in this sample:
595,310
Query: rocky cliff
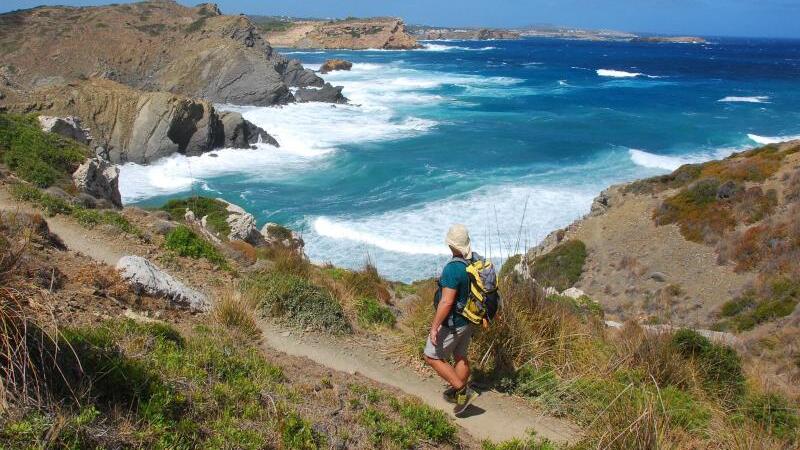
153,46
129,125
357,34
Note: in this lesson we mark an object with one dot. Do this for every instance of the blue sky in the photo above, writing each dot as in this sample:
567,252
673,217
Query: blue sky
767,18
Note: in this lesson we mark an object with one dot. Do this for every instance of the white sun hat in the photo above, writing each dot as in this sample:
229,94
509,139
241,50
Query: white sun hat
458,238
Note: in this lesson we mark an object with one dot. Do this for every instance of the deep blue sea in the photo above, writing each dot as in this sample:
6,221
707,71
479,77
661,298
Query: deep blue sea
511,138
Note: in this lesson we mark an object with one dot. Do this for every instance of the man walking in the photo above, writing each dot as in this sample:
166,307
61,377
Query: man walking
450,332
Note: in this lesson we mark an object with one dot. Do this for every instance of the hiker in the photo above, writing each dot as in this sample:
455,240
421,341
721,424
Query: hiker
451,332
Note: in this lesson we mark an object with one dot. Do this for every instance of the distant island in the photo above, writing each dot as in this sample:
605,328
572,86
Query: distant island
393,34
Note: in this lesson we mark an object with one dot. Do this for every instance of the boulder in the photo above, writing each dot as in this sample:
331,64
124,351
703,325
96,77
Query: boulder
163,227
573,293
600,204
100,179
243,228
335,64
146,277
295,75
658,276
327,93
241,133
69,127
86,200
59,193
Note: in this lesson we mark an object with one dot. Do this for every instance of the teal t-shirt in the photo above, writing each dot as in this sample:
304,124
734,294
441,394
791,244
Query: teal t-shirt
454,276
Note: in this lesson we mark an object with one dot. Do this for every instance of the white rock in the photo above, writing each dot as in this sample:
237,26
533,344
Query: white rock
69,127
243,228
100,179
550,290
146,277
612,324
573,292
189,215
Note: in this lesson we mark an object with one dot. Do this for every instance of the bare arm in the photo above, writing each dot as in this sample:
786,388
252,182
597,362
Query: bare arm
445,305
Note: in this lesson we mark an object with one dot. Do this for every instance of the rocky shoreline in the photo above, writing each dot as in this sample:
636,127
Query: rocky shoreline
153,99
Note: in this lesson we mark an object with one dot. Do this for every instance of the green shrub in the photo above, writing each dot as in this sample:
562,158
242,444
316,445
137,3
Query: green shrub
531,443
432,424
298,434
295,299
533,382
92,217
215,210
371,313
561,267
697,211
683,410
186,242
745,312
720,366
737,305
774,413
43,159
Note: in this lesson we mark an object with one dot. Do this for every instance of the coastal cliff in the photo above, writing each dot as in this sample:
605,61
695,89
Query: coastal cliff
153,46
355,34
143,76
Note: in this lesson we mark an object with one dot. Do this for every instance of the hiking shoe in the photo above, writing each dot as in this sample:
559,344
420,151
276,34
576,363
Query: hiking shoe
449,395
463,399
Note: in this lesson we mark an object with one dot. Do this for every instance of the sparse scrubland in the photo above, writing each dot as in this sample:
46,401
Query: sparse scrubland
77,373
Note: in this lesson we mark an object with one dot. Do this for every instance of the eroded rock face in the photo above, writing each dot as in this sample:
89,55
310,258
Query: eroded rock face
146,277
99,179
240,133
141,127
69,127
335,64
327,93
153,46
384,33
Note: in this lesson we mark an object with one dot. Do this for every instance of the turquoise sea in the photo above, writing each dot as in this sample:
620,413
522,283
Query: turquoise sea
512,138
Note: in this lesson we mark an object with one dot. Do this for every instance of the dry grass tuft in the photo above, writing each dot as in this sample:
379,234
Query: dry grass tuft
235,313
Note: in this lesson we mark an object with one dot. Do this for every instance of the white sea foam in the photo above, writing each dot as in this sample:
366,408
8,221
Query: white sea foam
448,48
312,130
420,230
766,140
664,162
754,99
622,74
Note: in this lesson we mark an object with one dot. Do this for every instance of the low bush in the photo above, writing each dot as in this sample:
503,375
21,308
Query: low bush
41,158
777,299
720,366
233,312
561,267
698,213
415,423
295,299
215,211
186,242
371,313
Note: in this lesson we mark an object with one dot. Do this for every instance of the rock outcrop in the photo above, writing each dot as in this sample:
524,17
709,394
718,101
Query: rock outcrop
327,93
279,236
99,179
356,34
136,126
69,127
242,224
146,277
153,46
335,64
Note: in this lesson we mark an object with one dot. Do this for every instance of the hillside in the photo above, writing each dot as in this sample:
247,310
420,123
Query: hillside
351,33
152,46
175,344
711,245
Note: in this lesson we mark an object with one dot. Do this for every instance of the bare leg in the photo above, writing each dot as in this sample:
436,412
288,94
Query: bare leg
446,371
462,369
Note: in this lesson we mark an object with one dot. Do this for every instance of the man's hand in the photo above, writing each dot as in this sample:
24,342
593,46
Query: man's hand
434,334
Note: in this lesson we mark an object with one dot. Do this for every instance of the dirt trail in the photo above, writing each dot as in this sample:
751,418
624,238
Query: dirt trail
493,416
75,237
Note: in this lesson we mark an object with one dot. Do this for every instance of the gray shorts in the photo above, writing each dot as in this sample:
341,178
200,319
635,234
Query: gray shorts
450,342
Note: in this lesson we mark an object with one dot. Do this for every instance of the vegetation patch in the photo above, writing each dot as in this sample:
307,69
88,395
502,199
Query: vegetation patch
215,211
773,413
410,424
720,366
697,212
371,313
295,299
747,311
561,267
89,218
186,242
43,159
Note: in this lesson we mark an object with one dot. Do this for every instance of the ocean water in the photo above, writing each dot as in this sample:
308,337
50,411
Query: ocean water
511,138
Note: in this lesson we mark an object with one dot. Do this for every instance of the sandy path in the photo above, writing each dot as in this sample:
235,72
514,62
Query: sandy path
75,237
493,416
